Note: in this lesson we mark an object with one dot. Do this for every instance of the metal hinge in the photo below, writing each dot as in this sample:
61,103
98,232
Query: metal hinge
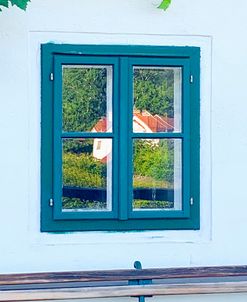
191,78
191,201
51,76
51,202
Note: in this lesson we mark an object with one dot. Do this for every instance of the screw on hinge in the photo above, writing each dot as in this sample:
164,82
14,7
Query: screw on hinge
51,76
191,79
51,202
191,201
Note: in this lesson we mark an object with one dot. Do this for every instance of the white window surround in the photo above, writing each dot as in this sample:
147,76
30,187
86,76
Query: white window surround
36,238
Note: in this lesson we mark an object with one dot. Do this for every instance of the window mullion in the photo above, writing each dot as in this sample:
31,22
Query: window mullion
124,139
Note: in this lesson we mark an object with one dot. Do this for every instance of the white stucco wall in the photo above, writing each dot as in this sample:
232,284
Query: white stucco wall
219,28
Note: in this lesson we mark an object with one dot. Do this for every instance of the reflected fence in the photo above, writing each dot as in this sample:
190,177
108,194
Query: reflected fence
99,194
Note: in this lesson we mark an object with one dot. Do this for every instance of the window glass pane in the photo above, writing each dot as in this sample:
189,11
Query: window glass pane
157,179
87,98
87,174
157,99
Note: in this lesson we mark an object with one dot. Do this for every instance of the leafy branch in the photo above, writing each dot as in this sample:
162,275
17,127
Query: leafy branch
22,4
165,4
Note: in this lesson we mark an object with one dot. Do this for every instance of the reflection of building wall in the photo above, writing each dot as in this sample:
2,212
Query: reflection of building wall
102,148
143,122
140,126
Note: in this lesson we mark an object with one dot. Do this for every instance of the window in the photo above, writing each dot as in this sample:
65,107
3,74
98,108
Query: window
120,137
98,144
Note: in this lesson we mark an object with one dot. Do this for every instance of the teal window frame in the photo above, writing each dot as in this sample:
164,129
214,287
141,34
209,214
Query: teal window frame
122,58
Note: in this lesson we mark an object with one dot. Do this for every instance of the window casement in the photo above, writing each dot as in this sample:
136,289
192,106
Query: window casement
120,143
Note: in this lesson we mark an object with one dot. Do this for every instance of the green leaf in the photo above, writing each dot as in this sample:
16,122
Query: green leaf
22,4
165,4
4,3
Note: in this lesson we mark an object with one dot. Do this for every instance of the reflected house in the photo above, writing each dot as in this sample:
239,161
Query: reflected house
143,122
102,146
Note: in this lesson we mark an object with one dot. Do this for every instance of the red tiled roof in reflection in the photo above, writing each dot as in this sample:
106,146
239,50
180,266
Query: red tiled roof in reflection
155,123
101,125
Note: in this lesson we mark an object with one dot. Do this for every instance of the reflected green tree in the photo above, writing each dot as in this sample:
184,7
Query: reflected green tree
84,97
154,91
82,170
153,163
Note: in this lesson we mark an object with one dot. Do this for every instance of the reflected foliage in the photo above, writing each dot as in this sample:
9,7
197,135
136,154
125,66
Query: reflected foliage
84,97
76,146
77,203
152,204
154,159
154,169
82,170
154,91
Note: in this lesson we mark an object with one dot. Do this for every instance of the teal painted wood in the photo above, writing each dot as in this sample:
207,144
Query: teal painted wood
86,60
87,135
120,221
159,61
124,125
119,225
158,135
122,50
195,137
57,140
186,146
130,139
115,147
46,138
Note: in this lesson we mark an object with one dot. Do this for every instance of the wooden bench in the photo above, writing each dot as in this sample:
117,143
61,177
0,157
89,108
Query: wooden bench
123,283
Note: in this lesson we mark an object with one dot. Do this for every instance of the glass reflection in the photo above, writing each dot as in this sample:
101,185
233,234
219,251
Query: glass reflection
87,174
87,98
157,99
157,179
